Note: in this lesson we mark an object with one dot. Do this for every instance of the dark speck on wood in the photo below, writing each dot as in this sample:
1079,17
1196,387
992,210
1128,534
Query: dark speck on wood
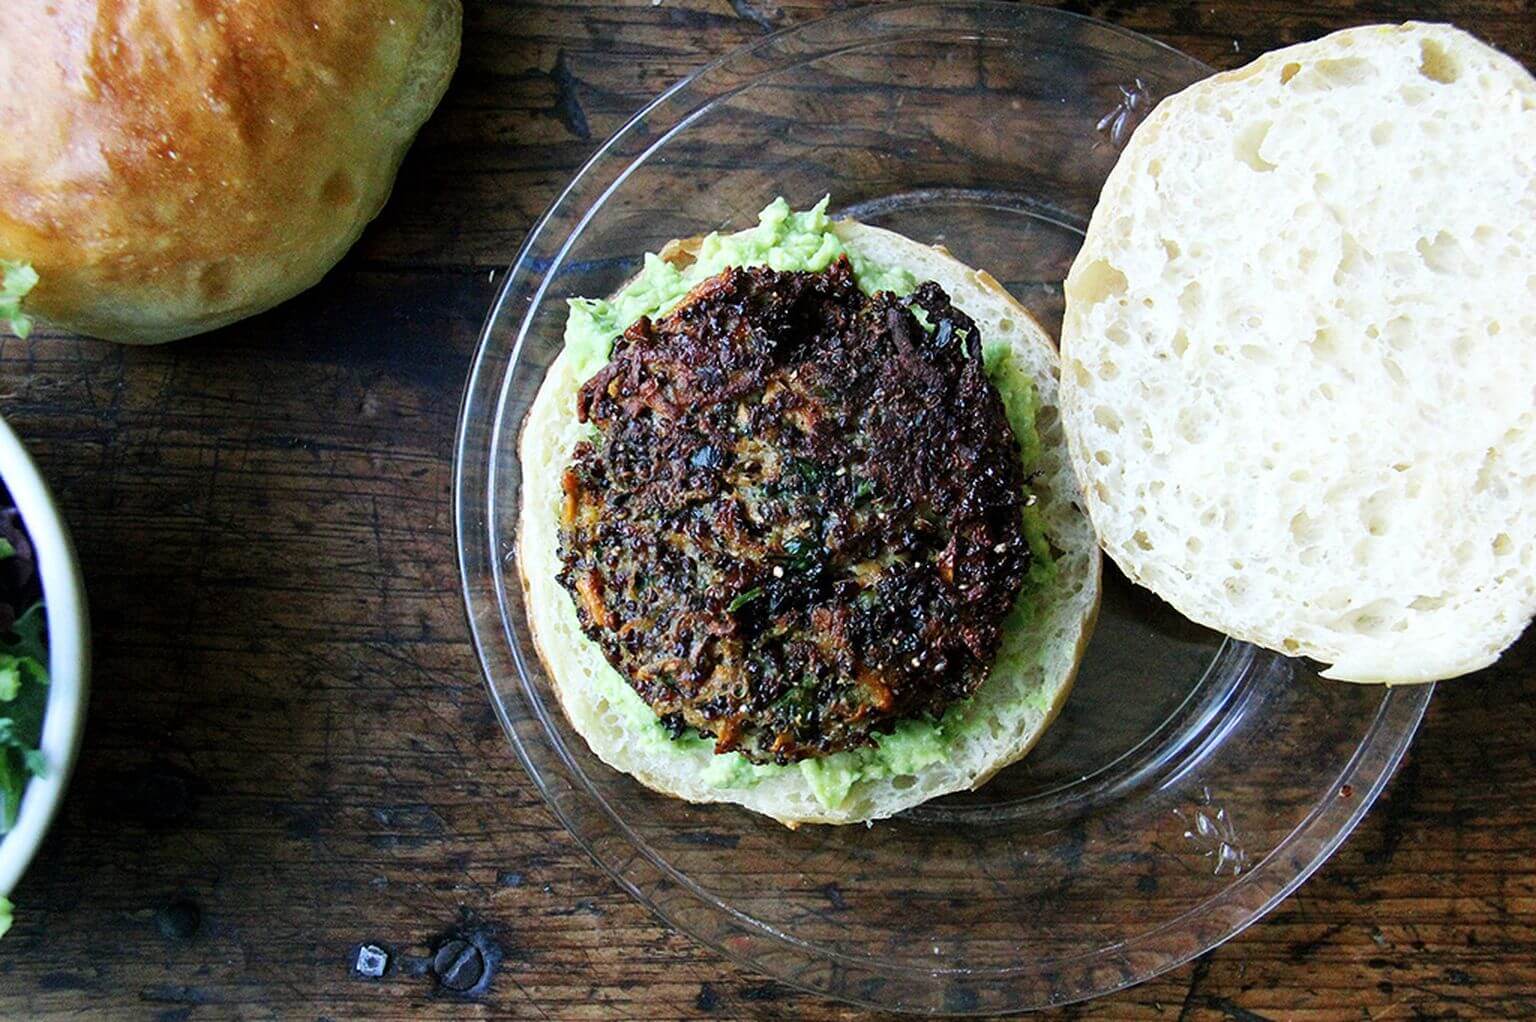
179,920
62,981
171,993
159,794
758,13
958,999
834,896
567,102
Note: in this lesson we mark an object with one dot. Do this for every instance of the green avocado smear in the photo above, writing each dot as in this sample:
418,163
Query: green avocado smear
17,279
788,240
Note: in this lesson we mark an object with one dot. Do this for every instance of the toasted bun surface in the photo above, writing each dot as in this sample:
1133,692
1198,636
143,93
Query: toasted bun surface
1016,705
168,167
1300,353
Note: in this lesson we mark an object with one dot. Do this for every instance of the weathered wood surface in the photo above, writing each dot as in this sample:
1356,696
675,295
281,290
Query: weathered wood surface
290,751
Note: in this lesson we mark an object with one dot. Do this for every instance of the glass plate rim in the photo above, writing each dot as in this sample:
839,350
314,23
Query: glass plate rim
1403,707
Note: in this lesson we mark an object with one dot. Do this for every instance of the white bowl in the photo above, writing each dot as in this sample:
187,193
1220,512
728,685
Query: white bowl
68,654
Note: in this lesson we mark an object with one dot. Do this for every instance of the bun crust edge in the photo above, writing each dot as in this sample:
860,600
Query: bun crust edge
167,172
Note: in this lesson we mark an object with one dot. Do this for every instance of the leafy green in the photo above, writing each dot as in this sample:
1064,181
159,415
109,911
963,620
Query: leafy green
23,699
6,550
5,914
744,599
31,642
803,552
16,280
921,315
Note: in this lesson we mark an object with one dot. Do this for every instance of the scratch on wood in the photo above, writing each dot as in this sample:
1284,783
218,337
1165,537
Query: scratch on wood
175,994
1303,950
1196,977
1485,1007
1195,1000
709,838
1234,1012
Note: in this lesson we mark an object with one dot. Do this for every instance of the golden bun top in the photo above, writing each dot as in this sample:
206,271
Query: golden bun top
170,166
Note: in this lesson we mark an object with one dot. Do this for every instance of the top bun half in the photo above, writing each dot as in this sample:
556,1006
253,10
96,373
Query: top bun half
168,168
1299,377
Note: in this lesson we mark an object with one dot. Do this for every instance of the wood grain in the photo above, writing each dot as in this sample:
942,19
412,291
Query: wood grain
290,752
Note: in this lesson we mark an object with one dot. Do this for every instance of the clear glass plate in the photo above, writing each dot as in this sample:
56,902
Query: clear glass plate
1189,784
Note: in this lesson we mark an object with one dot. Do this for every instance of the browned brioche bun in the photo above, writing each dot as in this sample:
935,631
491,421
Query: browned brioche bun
170,167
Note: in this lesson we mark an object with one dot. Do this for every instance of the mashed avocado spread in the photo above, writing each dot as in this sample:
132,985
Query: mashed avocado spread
16,280
788,240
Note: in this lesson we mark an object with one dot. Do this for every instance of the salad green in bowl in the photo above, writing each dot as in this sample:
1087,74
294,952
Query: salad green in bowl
43,661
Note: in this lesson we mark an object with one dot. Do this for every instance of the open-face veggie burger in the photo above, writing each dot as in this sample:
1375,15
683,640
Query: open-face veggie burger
798,529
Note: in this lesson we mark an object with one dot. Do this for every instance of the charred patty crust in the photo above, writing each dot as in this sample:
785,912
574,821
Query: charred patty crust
800,518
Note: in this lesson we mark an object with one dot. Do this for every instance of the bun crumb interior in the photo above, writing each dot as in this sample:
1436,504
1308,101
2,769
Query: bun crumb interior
1300,353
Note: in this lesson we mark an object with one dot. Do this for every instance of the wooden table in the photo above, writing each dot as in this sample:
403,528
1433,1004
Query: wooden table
290,752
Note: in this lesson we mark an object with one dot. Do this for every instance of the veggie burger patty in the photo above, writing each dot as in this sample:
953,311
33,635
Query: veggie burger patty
800,518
